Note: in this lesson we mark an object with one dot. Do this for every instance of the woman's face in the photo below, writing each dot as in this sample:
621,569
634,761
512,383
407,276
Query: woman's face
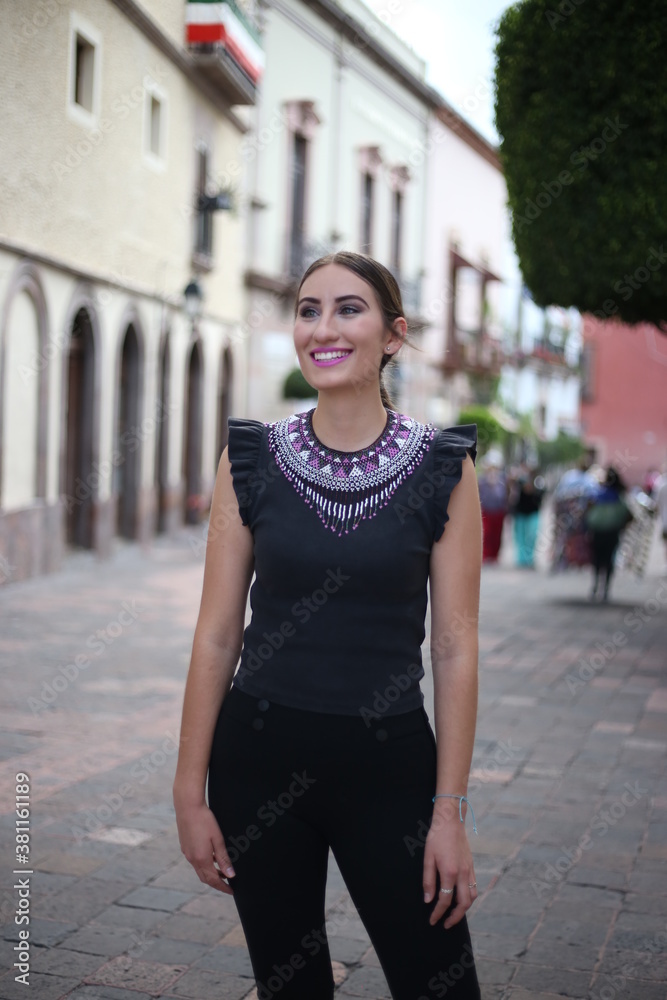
339,333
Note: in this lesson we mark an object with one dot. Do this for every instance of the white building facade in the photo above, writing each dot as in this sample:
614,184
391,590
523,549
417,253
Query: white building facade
335,132
113,399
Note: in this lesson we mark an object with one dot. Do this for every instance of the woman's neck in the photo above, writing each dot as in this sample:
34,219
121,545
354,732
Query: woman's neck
348,423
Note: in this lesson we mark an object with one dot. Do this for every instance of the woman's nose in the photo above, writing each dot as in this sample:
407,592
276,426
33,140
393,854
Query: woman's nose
325,329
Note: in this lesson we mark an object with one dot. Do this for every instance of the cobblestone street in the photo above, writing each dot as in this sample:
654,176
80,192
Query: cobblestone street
568,790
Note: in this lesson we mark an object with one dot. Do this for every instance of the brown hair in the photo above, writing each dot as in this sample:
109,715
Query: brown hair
386,289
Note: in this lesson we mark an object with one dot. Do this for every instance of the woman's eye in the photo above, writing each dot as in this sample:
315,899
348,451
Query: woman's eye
307,312
351,309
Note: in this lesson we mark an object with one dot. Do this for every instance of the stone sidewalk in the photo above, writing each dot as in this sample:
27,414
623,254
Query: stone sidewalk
568,790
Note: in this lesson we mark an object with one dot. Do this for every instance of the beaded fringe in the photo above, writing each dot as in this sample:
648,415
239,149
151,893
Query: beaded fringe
309,466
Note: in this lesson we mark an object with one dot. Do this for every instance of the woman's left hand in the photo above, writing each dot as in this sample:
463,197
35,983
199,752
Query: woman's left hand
448,857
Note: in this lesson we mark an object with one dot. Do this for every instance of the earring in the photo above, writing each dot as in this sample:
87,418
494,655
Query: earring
388,349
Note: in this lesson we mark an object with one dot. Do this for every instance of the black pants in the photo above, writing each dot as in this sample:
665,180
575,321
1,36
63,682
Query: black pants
285,785
603,549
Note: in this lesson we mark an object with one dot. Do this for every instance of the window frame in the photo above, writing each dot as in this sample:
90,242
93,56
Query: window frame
154,92
80,28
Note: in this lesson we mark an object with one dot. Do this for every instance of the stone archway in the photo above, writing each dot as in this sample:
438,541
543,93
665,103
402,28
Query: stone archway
127,453
225,383
162,443
79,481
193,420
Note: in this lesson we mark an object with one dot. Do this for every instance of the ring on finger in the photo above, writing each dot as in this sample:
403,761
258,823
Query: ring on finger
472,885
447,892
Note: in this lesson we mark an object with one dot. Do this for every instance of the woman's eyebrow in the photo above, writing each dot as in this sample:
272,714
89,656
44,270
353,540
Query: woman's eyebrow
341,298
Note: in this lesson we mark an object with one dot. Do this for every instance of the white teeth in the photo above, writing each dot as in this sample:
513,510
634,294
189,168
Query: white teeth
329,355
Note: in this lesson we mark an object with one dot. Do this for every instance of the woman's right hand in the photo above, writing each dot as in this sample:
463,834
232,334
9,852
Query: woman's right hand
202,843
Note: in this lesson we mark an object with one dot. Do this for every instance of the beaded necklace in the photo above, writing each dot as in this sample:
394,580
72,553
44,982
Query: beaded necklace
345,487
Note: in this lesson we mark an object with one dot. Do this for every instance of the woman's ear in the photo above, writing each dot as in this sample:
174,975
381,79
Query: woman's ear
398,333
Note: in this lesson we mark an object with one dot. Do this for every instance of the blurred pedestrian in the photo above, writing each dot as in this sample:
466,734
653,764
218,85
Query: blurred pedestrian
573,495
527,500
660,498
493,498
606,519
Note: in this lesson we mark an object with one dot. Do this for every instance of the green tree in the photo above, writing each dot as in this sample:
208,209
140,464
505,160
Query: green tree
581,106
296,387
489,431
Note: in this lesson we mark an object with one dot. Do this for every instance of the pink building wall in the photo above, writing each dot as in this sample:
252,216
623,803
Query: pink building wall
624,395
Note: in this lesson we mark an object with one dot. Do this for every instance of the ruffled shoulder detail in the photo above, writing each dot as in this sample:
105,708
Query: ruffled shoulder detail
451,447
244,443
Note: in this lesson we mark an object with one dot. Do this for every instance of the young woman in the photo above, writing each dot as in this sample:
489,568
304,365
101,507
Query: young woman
320,740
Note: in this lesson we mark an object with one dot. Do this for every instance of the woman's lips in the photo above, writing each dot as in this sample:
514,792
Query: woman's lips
324,359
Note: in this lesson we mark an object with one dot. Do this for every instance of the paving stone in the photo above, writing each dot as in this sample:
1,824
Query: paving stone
214,905
227,959
135,974
498,946
62,961
186,928
155,899
43,933
64,863
45,987
130,916
347,950
97,991
365,982
552,980
169,950
490,972
98,940
209,984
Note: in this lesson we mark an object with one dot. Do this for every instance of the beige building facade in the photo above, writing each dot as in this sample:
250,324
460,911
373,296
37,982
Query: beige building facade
113,396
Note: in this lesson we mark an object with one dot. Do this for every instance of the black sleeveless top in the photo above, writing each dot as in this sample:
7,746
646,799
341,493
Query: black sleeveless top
342,542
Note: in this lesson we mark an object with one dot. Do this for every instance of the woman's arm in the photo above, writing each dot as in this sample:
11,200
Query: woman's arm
215,652
455,570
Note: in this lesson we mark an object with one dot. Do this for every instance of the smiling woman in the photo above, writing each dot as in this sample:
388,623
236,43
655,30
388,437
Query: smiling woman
345,540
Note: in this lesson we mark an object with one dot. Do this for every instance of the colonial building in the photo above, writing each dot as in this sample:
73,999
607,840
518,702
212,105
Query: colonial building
118,117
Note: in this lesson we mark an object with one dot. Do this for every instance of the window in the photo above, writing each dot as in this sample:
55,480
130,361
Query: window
204,219
85,59
302,122
396,230
367,213
84,73
155,126
298,182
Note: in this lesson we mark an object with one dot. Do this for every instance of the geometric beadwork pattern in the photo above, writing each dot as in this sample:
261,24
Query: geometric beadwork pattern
347,487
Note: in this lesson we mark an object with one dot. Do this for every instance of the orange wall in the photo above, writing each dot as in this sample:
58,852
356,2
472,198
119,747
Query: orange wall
626,419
